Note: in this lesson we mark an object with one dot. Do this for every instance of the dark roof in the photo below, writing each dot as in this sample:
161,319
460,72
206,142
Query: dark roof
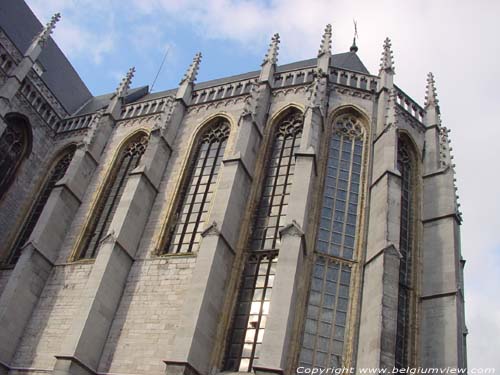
60,76
101,101
349,61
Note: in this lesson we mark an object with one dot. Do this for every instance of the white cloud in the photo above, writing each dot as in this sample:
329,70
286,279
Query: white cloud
75,33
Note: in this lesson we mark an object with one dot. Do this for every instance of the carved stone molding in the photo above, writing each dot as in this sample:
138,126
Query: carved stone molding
293,229
211,230
352,92
147,121
290,90
216,104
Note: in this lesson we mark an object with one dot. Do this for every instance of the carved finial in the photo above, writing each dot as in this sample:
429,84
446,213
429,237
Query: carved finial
272,51
326,41
387,62
48,29
430,91
192,71
124,85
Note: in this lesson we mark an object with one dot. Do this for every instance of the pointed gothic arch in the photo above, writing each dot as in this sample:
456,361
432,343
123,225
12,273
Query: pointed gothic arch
15,146
58,169
197,187
328,311
127,159
252,308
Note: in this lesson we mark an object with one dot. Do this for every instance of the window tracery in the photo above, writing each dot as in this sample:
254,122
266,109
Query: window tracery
128,159
56,173
13,148
199,188
327,308
405,167
249,322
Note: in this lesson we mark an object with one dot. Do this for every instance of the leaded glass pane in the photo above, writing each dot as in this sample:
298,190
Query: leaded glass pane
108,203
326,312
405,247
55,174
252,310
198,192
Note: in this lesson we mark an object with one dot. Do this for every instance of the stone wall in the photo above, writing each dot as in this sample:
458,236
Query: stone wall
144,326
52,317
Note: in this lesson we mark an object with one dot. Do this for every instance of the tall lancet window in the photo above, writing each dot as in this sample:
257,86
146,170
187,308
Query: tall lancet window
327,309
406,168
252,308
198,189
14,147
57,172
128,159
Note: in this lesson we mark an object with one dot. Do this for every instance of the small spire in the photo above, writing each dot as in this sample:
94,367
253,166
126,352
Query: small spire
124,85
354,47
272,51
430,91
326,41
387,62
48,29
192,71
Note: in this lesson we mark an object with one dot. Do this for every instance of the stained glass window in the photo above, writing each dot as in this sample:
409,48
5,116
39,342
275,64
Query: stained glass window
327,308
14,144
199,189
55,174
277,185
406,248
129,158
254,298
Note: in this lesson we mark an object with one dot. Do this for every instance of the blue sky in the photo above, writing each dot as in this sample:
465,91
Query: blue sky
456,39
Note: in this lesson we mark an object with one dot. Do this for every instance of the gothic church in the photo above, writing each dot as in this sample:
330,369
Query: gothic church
295,217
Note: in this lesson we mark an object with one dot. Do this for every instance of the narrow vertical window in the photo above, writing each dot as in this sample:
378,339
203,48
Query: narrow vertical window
198,189
129,158
327,308
406,249
14,147
55,174
254,298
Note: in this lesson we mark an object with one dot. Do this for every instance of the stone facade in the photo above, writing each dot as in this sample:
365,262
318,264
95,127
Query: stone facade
133,308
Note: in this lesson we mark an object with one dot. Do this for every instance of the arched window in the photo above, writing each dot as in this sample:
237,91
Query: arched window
198,189
128,159
406,168
327,308
15,144
55,174
254,298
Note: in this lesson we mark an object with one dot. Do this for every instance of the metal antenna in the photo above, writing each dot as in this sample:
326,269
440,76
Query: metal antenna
159,69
